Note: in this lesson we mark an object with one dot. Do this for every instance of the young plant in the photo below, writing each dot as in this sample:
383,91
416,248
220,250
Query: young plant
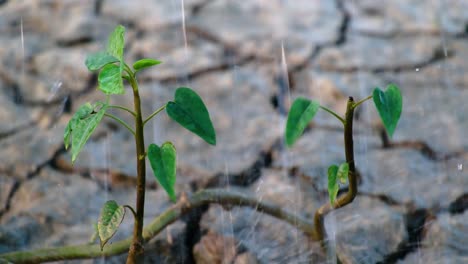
187,109
389,106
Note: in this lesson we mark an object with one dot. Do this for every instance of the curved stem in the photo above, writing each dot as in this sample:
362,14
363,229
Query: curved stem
333,113
352,189
123,108
154,113
131,210
181,208
121,122
362,101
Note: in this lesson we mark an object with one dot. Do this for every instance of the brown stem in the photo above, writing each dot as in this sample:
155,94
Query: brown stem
136,251
347,198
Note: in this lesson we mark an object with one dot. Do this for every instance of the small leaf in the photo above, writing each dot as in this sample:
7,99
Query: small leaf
109,221
110,80
145,63
190,112
389,105
81,126
332,183
116,43
163,163
302,111
98,60
81,113
343,171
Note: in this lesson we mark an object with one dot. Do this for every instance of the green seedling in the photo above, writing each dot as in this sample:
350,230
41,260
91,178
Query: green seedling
388,105
187,109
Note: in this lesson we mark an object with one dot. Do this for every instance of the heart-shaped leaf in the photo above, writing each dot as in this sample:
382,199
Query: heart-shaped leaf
163,163
81,126
98,60
302,111
333,186
389,105
110,80
189,111
145,63
109,221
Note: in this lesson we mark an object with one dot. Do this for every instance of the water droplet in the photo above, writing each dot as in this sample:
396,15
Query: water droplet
417,69
460,167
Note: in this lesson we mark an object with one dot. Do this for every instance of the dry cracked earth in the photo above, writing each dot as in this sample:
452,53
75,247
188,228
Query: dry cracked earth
247,59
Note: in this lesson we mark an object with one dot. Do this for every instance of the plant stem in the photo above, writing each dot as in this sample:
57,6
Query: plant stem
153,114
121,122
131,210
347,198
181,208
362,101
333,113
123,108
136,251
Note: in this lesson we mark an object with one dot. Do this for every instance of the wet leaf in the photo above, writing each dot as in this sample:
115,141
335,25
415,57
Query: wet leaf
333,186
109,221
145,63
301,113
98,60
389,105
342,173
163,163
190,112
110,80
116,43
81,126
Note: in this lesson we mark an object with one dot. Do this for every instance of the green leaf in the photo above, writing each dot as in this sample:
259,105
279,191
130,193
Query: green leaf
163,163
389,105
302,111
81,126
81,113
116,43
109,221
190,112
145,63
98,60
333,186
343,171
110,80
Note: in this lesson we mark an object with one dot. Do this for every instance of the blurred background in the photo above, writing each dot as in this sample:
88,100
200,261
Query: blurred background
248,60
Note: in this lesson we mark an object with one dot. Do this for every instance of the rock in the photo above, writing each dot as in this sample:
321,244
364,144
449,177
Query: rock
161,13
433,104
269,239
40,143
408,177
445,241
178,60
64,207
370,53
214,248
19,232
65,66
279,21
407,17
366,230
7,184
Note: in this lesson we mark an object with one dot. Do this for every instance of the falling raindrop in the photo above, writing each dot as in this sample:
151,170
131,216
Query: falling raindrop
460,167
417,69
